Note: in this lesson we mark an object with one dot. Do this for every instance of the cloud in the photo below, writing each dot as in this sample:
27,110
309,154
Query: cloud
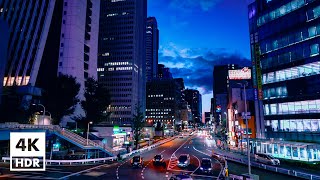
191,5
195,66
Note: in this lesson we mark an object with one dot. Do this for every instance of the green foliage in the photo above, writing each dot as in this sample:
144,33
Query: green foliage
138,124
61,97
97,99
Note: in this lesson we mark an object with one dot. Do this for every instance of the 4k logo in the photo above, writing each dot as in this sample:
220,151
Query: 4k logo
27,151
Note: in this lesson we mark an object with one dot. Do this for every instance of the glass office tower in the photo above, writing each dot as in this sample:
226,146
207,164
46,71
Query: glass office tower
285,37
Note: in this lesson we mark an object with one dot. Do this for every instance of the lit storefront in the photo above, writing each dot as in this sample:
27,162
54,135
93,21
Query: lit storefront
288,150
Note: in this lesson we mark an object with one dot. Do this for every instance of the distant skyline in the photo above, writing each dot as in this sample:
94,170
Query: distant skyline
197,34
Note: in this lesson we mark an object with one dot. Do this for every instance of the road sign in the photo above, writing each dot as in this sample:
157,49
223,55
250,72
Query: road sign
248,116
55,147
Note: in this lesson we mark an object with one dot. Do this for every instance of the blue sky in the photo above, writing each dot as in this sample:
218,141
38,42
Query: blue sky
197,34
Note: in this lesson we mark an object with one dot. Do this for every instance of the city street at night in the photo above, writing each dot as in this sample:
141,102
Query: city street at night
160,89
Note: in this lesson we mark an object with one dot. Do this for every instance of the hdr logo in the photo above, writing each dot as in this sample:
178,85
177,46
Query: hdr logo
27,151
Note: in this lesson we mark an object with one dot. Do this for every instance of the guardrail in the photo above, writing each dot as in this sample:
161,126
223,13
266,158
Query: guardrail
146,148
57,129
273,168
85,161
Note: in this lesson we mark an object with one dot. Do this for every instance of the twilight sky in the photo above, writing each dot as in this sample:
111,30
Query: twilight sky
197,34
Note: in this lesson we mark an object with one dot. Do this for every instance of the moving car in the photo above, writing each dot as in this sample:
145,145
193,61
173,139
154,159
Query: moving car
181,177
159,161
206,165
266,159
183,160
137,161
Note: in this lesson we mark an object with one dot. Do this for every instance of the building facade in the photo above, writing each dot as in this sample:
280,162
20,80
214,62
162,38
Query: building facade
164,72
152,48
29,23
193,97
162,102
4,36
79,40
220,90
285,52
121,56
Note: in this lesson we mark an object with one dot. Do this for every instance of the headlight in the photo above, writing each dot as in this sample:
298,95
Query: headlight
201,168
186,162
209,169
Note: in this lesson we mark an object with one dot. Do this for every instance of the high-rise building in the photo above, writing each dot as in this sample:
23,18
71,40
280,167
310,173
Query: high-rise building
121,56
29,23
164,72
79,40
4,36
152,47
193,97
163,102
220,90
284,38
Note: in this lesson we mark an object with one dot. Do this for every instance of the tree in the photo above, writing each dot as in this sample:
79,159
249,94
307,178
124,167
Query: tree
61,97
137,125
13,107
97,99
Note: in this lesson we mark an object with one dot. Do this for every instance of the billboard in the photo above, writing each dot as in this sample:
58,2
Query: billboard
244,73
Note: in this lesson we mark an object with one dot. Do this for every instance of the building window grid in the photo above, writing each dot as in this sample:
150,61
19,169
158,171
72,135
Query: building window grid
294,125
292,73
298,107
281,11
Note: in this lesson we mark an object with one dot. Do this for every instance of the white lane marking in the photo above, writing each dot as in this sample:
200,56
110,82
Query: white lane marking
181,170
198,165
210,156
173,159
148,165
203,176
86,170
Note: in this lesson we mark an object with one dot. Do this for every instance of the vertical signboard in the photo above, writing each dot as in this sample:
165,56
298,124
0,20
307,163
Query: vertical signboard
258,69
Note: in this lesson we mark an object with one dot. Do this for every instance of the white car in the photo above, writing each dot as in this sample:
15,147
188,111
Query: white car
266,159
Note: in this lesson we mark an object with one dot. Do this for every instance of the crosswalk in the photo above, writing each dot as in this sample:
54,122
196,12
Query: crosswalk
33,175
173,161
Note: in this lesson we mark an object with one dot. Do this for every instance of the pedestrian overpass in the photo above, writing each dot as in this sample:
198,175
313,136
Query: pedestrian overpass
73,138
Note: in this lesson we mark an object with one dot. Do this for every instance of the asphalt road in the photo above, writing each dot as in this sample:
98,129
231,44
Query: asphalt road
196,146
171,151
235,168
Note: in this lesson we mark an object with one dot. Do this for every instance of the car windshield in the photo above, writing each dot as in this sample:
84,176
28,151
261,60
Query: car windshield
206,162
136,158
270,157
157,157
183,158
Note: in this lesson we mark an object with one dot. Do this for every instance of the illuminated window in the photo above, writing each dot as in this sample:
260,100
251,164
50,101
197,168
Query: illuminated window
314,49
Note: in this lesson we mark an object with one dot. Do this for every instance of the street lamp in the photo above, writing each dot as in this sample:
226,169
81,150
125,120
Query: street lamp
88,132
227,128
48,113
44,111
247,128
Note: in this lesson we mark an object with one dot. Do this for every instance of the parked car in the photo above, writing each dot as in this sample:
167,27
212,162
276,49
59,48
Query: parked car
266,159
137,161
206,165
183,160
158,160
